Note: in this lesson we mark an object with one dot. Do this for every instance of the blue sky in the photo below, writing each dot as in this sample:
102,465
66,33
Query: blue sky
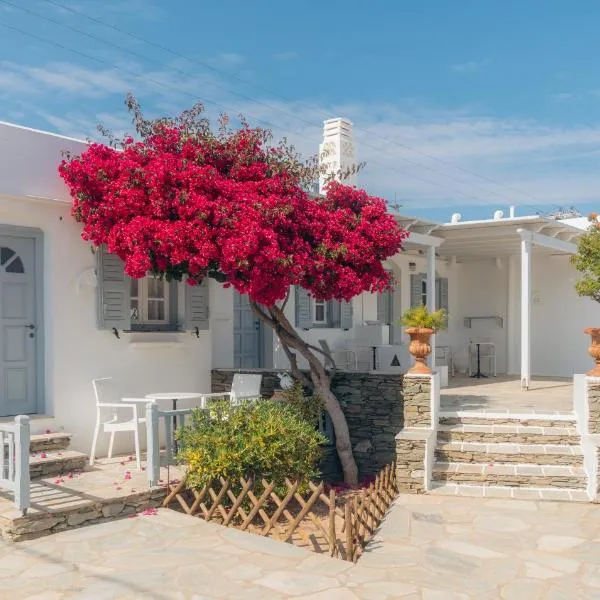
465,105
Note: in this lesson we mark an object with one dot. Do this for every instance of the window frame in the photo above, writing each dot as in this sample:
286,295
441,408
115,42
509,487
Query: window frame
326,313
170,322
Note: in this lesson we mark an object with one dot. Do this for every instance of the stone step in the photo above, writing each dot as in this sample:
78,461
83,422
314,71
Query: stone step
511,434
471,417
511,475
539,454
48,464
45,442
519,493
111,489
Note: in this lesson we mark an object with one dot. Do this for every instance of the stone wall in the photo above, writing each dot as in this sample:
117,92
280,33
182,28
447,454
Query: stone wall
594,408
372,404
414,444
417,401
411,451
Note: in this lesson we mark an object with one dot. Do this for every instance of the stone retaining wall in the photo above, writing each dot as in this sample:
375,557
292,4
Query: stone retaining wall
414,444
594,408
373,406
38,524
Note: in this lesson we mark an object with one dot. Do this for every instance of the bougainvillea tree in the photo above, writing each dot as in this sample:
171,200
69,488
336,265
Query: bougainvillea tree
184,202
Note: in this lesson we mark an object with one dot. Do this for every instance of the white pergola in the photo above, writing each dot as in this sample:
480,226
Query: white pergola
504,238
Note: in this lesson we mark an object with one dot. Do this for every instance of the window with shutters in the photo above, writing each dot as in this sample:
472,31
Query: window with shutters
419,291
147,304
320,312
149,301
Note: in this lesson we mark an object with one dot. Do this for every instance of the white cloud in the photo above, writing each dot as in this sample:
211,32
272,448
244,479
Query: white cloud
563,96
228,59
471,66
552,164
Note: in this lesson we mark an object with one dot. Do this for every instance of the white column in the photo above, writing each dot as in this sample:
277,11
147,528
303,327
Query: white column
526,245
431,295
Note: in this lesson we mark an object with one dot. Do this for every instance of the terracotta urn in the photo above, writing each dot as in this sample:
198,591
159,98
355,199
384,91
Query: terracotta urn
594,350
419,347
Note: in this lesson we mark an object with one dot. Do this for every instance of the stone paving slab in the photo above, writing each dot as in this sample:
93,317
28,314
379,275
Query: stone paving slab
428,548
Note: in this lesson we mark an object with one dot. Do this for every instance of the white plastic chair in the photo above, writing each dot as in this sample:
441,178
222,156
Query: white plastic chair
243,386
444,356
107,399
487,352
345,358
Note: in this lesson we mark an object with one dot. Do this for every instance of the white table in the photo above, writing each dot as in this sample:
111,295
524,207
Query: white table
175,397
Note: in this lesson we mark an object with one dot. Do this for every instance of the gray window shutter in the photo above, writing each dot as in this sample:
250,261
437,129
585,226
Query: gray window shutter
415,289
384,300
346,315
303,308
114,287
196,306
335,313
443,293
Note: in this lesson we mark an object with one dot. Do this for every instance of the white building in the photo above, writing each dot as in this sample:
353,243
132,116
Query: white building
68,316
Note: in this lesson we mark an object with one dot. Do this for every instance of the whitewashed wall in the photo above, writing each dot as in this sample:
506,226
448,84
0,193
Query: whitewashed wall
75,350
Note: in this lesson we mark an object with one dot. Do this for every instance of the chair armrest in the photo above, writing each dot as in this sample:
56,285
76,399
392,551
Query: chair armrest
116,405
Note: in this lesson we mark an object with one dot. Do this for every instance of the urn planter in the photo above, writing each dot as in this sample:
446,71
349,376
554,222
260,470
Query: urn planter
420,348
594,350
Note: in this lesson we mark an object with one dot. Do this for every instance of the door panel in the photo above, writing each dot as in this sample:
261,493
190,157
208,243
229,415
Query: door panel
246,334
18,327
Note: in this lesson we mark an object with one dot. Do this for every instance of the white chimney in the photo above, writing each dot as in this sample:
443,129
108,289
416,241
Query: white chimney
456,217
498,215
337,150
512,212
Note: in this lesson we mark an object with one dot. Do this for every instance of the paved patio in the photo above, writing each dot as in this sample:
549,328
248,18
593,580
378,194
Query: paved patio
429,548
504,394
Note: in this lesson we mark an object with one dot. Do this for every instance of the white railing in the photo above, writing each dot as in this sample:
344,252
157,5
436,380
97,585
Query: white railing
14,460
171,419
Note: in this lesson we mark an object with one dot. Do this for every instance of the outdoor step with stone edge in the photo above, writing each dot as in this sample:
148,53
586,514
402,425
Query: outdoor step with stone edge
500,418
511,475
445,488
508,434
49,442
496,453
47,464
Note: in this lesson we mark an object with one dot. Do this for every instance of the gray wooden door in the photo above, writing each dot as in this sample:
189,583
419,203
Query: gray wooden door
18,327
246,334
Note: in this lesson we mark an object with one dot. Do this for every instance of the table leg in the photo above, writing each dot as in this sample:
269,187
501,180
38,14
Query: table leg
479,374
374,358
175,428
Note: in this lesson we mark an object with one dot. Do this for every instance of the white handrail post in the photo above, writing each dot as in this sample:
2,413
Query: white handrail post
152,444
21,440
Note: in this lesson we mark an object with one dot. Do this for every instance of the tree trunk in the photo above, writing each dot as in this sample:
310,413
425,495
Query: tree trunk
319,380
342,433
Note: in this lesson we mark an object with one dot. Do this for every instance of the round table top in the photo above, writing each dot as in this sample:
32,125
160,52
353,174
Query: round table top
174,396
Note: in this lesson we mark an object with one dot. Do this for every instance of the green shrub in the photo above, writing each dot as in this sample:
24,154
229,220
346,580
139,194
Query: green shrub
308,408
419,316
254,440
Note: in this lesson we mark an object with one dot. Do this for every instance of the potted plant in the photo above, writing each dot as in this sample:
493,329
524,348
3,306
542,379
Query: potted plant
587,262
420,325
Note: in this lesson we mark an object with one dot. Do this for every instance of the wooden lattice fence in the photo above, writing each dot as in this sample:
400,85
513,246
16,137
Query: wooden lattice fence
338,523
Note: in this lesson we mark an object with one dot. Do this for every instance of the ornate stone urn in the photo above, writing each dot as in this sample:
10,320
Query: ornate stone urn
419,347
594,350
